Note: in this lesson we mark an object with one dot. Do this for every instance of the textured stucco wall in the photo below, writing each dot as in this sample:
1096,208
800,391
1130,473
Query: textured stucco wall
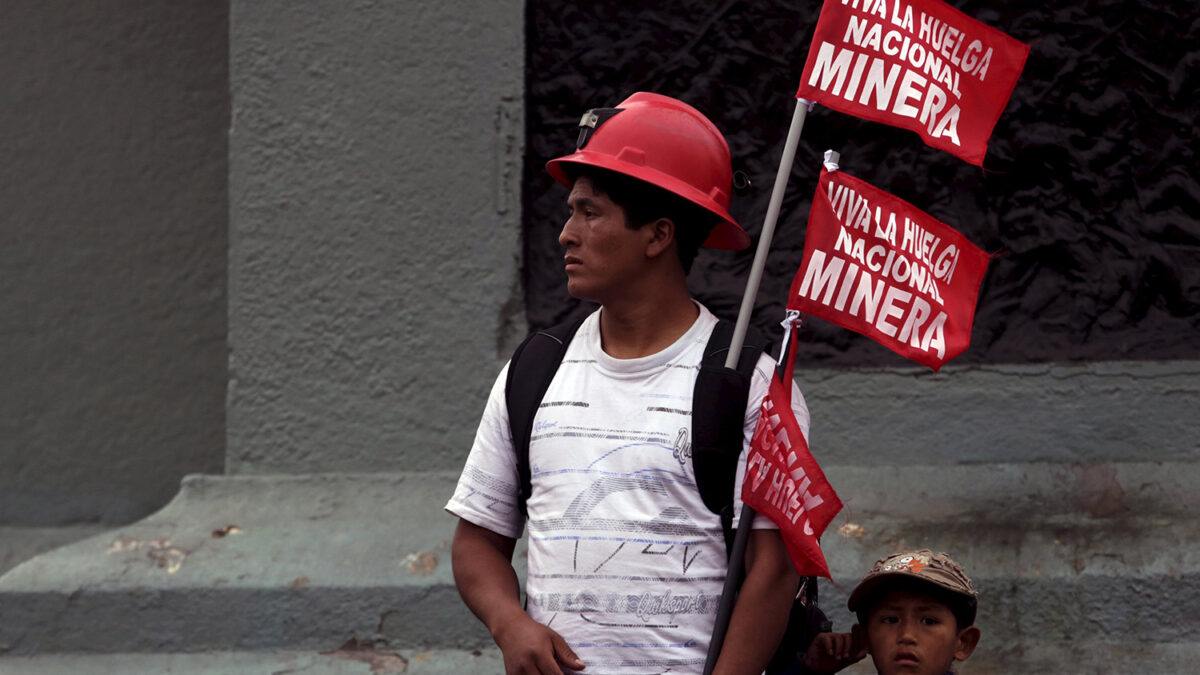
374,204
113,117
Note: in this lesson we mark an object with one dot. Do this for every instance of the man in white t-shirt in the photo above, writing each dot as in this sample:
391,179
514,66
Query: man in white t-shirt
625,562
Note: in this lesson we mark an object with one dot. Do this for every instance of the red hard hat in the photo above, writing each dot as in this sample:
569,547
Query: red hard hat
667,143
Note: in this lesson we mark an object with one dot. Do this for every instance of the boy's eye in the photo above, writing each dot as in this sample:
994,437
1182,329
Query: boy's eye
930,621
889,619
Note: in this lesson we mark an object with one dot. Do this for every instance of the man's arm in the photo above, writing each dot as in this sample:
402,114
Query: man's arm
761,613
488,584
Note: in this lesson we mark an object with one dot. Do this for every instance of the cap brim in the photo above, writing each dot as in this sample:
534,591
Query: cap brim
865,587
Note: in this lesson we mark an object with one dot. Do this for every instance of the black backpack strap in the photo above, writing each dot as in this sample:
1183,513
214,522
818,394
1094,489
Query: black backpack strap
718,416
530,371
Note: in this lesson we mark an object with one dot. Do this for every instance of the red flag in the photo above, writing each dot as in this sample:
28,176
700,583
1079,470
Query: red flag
785,483
920,65
877,265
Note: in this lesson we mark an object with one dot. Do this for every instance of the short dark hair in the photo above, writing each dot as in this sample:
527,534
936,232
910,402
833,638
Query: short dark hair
962,606
644,203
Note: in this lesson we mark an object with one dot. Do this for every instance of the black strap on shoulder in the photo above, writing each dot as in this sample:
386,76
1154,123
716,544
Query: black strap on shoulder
718,417
530,371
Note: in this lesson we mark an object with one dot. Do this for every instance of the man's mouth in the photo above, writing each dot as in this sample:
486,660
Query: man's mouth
571,261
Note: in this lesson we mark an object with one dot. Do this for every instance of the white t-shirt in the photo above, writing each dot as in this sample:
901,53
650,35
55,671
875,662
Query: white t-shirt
625,561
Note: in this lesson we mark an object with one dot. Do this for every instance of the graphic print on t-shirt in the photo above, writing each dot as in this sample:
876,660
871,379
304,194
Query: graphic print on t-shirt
616,496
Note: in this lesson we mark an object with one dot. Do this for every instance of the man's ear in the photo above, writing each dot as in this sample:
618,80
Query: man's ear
968,638
662,235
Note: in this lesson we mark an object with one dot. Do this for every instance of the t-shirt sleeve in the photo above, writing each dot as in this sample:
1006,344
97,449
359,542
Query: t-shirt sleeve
763,372
487,492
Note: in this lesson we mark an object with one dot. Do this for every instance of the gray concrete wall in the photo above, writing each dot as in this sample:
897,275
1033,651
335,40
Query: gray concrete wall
113,117
374,252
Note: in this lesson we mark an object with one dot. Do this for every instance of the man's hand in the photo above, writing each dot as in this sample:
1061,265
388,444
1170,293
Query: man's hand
486,580
531,648
830,652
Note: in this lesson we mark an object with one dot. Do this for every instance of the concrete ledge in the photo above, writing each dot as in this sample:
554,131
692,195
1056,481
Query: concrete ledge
296,563
356,660
1043,582
1076,658
253,563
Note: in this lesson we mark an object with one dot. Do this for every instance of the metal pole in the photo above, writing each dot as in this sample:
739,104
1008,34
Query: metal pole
737,556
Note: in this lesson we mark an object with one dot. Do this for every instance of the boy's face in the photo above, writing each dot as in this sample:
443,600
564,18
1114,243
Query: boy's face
913,634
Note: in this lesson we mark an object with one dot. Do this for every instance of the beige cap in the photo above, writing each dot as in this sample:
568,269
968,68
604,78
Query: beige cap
925,565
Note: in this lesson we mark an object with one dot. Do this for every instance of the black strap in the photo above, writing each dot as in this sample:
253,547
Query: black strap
530,371
719,401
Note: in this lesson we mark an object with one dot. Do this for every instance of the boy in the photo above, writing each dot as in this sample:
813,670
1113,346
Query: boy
626,561
916,614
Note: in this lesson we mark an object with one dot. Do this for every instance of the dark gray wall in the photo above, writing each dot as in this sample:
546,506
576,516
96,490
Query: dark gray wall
1087,192
375,211
113,119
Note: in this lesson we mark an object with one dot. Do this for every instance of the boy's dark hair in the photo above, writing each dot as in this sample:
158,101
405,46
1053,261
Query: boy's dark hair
961,606
643,203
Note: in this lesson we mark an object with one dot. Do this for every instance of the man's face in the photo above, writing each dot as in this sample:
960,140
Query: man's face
602,254
913,634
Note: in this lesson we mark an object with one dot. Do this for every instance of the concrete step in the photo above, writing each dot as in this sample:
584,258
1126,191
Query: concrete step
1032,658
1090,657
352,660
253,563
1067,558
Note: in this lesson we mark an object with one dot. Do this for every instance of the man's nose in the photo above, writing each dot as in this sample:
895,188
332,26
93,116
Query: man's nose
567,236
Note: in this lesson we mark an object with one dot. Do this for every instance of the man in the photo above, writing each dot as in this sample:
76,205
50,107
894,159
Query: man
625,561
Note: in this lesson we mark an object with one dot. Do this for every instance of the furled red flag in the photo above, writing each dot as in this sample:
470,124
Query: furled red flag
877,265
784,482
920,65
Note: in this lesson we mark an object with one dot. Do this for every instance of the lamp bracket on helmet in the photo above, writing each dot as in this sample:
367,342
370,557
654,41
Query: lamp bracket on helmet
591,121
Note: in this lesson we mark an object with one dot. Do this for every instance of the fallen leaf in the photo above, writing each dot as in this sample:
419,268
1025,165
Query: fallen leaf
381,662
420,563
852,531
228,529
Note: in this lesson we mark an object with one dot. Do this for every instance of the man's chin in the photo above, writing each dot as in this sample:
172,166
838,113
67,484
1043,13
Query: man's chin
580,291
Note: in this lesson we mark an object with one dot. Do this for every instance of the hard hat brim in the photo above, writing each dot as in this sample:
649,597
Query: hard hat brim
727,234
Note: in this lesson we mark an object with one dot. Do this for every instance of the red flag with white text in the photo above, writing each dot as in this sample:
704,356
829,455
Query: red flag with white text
920,65
784,482
877,265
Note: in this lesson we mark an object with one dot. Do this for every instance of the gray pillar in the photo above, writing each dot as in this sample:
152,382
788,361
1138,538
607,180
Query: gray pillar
375,209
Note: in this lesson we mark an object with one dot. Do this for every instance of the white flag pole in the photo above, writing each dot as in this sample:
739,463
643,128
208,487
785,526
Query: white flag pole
737,556
768,232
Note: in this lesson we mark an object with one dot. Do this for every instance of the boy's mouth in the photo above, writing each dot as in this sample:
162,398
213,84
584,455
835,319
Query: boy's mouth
906,658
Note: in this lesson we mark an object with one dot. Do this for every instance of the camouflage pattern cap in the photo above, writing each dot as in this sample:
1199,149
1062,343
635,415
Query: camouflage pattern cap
925,565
